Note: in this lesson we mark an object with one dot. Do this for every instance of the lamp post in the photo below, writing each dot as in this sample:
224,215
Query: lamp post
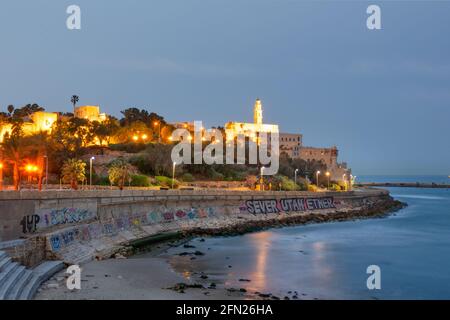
295,176
328,181
261,179
345,181
1,176
317,178
46,171
90,172
173,173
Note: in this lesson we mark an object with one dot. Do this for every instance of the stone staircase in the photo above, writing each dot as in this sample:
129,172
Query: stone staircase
20,283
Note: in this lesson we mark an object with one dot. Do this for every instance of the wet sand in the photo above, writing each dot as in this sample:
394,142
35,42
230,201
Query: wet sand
143,277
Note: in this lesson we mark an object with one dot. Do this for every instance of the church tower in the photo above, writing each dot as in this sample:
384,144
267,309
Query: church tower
257,112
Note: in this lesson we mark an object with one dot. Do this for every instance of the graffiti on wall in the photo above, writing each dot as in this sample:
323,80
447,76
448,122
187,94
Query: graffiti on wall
50,218
87,232
29,223
288,205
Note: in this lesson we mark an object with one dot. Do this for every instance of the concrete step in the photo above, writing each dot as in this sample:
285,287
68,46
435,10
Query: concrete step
4,262
2,254
5,274
41,273
21,283
12,280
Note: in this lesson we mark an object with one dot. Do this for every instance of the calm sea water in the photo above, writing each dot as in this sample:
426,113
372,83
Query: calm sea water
443,179
329,261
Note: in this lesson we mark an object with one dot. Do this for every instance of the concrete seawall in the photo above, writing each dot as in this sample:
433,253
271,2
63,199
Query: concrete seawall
77,226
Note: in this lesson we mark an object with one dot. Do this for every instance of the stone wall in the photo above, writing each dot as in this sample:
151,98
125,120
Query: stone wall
79,225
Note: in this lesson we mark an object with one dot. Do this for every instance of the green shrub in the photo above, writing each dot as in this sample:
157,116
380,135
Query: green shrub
302,184
101,180
167,182
312,188
139,180
335,187
187,177
288,184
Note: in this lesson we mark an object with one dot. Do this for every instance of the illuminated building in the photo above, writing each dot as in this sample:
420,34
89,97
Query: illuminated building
252,129
91,113
38,122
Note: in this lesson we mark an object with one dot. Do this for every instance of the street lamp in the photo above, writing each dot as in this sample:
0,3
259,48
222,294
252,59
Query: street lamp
328,182
173,173
90,171
295,176
317,178
261,179
46,171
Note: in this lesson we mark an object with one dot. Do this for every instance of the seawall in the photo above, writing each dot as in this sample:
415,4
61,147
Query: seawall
77,226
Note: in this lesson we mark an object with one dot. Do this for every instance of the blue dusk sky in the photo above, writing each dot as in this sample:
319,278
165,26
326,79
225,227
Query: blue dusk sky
383,97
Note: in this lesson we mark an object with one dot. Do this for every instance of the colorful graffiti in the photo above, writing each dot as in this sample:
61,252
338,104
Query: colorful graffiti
87,232
288,205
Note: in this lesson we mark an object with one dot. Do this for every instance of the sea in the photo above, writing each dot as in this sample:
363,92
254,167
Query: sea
410,250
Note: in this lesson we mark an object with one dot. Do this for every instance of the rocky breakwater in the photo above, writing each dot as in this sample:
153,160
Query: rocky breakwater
341,208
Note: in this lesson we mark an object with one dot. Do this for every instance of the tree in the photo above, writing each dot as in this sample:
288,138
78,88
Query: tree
73,171
103,131
13,153
10,109
119,172
36,147
27,110
14,149
74,99
132,115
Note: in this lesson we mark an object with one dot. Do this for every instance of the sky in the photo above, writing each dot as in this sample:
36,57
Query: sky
381,96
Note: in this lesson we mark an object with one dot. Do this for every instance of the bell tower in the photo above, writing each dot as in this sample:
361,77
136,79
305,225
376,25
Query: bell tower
258,112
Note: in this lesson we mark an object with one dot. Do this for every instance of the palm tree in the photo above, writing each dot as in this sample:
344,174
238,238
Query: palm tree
73,170
13,153
119,172
74,100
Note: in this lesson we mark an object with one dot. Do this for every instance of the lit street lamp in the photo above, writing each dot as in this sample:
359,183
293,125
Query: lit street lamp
173,173
317,178
328,182
261,180
295,176
90,172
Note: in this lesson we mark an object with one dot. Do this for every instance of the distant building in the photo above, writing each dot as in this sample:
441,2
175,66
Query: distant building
290,143
252,129
91,113
38,122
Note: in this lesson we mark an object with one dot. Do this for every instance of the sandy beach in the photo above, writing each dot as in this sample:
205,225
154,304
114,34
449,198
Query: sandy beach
125,279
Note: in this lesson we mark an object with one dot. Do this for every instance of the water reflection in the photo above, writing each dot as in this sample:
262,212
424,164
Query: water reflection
261,243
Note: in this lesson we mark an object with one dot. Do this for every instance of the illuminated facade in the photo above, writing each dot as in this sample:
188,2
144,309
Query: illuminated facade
252,129
38,122
91,113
